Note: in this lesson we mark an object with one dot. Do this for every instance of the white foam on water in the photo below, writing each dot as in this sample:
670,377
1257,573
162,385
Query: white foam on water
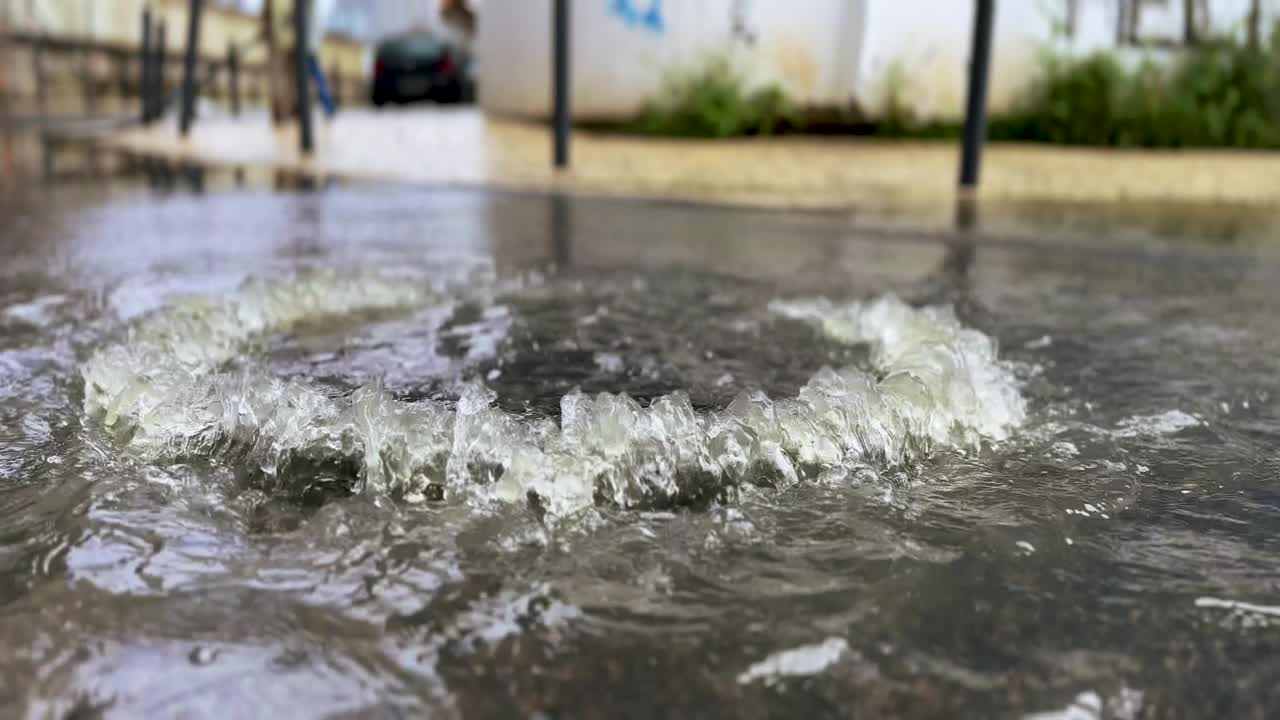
1125,704
1086,706
797,662
1212,602
944,378
157,380
935,385
1165,423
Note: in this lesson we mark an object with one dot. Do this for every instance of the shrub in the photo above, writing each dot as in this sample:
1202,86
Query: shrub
1218,94
713,100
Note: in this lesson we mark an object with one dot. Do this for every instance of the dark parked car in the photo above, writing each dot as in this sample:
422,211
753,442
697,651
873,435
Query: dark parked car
421,66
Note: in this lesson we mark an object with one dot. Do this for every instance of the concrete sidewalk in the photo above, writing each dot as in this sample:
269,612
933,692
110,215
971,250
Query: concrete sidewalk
462,147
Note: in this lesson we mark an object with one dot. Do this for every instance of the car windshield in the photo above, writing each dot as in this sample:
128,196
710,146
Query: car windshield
413,45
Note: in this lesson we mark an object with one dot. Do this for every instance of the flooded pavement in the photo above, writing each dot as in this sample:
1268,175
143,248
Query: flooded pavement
388,452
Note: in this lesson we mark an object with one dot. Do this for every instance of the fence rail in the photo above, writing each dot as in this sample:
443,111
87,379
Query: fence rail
60,69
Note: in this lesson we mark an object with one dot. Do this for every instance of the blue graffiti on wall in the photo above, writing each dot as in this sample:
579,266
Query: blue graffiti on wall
630,12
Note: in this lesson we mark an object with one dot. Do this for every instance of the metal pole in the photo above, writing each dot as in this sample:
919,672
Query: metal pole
1122,23
160,89
301,22
189,68
975,119
560,75
1189,35
233,77
1253,24
145,55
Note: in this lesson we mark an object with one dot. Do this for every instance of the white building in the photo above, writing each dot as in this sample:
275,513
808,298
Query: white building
831,53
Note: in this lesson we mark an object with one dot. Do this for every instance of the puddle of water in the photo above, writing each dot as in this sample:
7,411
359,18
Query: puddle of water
412,452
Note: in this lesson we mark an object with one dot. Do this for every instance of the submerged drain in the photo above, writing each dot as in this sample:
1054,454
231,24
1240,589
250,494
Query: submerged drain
167,392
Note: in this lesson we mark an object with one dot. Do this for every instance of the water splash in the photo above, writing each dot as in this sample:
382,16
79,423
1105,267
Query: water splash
168,392
157,384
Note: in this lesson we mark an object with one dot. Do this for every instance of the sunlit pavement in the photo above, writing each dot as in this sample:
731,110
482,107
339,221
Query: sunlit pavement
463,147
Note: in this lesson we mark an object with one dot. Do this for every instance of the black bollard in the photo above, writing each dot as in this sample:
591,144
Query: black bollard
301,25
233,77
159,89
189,68
145,55
560,82
975,118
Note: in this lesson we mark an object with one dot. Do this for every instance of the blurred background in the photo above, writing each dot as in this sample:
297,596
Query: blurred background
467,82
863,61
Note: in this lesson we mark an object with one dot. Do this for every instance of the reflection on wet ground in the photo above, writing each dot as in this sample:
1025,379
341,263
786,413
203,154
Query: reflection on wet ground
1114,558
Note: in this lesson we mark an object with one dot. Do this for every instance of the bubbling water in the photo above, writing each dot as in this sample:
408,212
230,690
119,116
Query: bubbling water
171,390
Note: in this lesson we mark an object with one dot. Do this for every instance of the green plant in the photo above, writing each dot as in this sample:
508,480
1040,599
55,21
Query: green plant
1072,100
898,118
1219,93
713,100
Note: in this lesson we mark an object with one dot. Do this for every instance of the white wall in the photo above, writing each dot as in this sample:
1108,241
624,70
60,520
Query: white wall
1165,20
811,46
824,52
1096,22
926,43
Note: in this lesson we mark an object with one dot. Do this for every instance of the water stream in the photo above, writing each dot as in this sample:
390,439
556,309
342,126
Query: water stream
375,452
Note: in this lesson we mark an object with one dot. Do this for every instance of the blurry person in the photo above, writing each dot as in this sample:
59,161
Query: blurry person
278,34
458,15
